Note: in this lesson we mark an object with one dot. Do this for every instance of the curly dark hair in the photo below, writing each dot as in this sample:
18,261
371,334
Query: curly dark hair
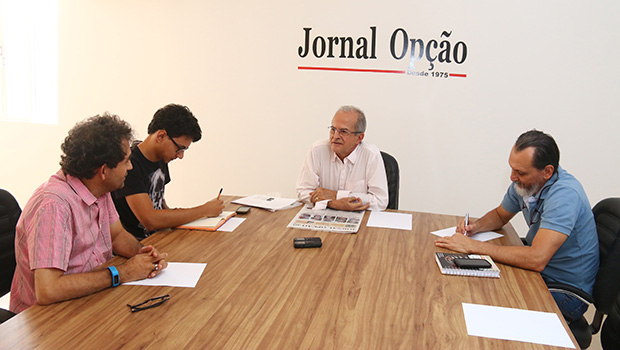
177,120
94,142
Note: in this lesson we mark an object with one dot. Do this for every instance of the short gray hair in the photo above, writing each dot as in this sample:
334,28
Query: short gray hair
360,125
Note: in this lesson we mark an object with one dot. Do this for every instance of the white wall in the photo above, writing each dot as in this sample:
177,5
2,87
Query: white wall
550,66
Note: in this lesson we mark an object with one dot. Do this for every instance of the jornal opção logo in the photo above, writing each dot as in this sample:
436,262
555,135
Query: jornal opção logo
424,56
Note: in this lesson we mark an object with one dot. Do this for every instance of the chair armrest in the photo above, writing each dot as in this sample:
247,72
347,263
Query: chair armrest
570,290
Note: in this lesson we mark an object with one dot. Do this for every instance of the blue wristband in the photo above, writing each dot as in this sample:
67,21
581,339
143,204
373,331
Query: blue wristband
116,280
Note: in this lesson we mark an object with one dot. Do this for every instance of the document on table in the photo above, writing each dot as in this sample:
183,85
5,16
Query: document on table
231,224
268,202
327,220
480,236
177,274
516,324
399,221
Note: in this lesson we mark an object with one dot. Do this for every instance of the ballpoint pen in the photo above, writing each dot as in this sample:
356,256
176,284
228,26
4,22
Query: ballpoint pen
219,194
466,223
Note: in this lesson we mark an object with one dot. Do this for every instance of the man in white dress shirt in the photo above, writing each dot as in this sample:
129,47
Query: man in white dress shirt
344,172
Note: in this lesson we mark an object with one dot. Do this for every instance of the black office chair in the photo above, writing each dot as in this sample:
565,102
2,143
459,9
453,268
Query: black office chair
393,178
610,334
9,213
607,284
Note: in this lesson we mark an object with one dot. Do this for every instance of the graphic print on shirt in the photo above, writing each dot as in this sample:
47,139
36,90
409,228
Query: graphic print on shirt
156,190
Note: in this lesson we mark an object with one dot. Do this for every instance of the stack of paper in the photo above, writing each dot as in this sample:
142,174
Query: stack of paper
267,202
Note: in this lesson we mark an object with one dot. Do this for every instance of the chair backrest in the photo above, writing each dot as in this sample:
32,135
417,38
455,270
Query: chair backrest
610,334
9,214
607,285
393,178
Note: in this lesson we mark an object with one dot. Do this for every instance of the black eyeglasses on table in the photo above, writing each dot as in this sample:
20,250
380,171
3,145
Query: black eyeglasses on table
150,303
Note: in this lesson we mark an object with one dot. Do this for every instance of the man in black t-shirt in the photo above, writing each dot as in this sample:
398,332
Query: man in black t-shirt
141,203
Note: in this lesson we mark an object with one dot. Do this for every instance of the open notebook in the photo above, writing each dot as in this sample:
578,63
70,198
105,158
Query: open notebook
209,224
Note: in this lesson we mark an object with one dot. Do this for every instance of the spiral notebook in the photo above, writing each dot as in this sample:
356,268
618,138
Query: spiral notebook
448,267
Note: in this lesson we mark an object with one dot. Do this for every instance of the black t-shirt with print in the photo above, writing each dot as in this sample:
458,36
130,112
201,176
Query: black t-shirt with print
145,177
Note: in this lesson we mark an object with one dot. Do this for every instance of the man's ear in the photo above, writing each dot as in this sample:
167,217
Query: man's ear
360,137
160,135
548,171
102,172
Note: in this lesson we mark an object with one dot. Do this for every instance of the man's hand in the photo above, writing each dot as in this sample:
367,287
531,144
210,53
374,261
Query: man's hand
349,203
213,207
147,264
321,194
457,242
468,230
160,264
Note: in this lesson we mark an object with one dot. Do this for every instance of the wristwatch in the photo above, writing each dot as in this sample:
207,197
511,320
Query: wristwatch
116,280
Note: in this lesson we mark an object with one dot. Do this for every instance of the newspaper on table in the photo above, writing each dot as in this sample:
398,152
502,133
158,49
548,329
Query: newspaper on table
267,202
327,220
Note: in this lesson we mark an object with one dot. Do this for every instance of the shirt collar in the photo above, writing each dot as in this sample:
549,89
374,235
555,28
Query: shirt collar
553,179
80,189
351,158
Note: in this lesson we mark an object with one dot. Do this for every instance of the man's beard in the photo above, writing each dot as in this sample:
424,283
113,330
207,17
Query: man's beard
526,191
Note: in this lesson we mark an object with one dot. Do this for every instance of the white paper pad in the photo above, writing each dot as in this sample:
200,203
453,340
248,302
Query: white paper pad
515,324
231,224
175,275
480,236
399,221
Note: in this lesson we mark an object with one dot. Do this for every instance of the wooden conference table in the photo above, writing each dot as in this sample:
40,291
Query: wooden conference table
377,289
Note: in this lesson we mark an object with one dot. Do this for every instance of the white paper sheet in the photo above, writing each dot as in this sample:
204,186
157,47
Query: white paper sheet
399,221
231,224
515,324
480,236
177,274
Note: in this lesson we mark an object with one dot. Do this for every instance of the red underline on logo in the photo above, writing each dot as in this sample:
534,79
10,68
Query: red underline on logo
353,70
458,75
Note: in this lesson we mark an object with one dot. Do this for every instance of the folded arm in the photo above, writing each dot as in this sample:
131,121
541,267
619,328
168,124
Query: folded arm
53,285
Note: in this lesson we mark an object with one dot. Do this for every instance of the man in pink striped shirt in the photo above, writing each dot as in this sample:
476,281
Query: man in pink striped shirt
69,228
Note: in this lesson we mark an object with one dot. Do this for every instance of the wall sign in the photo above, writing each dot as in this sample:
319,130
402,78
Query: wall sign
430,58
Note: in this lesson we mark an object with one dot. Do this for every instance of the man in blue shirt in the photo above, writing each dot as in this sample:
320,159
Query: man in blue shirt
562,239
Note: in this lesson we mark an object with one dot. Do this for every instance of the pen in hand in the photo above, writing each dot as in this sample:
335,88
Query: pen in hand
219,194
466,223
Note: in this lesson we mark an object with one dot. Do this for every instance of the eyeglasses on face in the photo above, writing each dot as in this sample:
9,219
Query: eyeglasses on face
180,149
149,303
342,132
